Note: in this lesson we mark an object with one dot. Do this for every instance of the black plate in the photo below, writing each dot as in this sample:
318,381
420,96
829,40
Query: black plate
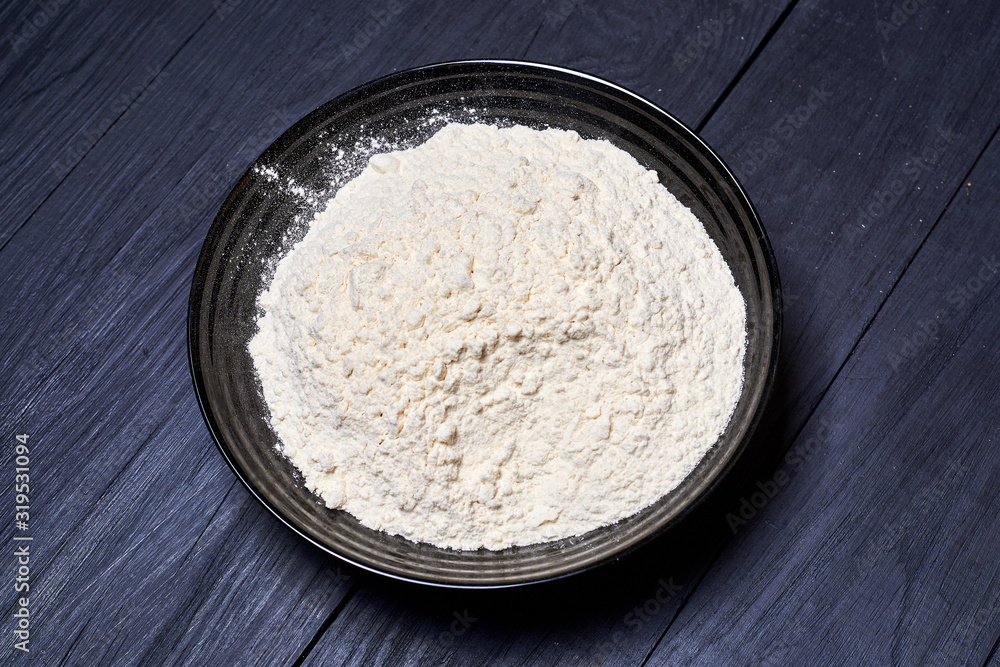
259,220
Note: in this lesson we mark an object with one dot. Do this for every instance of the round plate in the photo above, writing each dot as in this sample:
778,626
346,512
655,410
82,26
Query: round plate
270,208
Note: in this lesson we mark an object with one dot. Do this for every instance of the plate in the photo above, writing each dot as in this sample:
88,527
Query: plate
273,202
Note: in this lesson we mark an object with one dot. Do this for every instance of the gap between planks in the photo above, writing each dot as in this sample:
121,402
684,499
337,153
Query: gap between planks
833,379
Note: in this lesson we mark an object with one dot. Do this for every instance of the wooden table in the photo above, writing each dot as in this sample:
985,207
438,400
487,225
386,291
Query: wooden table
862,528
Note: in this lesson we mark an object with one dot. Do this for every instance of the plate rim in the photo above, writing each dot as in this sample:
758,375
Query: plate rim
767,251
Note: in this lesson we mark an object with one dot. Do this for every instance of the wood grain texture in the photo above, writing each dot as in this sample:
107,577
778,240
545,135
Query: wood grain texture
822,329
68,71
152,553
883,548
600,623
99,362
851,191
676,54
833,288
889,157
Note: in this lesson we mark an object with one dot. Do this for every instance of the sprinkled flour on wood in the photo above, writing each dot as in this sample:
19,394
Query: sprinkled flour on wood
500,337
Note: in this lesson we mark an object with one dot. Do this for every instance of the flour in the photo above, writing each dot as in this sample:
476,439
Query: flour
500,337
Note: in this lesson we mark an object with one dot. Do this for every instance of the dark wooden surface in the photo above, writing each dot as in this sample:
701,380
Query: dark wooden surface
866,135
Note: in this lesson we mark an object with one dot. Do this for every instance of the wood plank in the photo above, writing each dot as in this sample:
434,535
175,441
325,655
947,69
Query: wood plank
592,618
126,229
833,287
836,271
420,632
882,547
676,54
142,522
575,35
362,635
840,232
68,71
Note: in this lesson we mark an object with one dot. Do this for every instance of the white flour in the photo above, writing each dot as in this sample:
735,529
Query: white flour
500,337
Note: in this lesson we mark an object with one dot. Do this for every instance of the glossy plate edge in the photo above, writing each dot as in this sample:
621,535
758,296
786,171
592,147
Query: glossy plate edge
730,179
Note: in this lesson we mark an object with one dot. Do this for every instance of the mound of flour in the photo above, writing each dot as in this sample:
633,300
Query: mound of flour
500,337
